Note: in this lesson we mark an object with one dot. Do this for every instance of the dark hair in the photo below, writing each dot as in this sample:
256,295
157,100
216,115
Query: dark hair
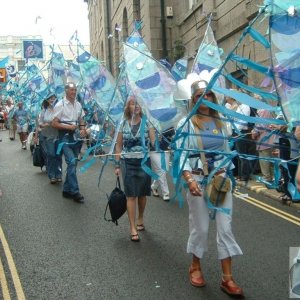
45,104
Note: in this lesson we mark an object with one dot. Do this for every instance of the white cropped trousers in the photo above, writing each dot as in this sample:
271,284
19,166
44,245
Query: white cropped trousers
199,224
156,167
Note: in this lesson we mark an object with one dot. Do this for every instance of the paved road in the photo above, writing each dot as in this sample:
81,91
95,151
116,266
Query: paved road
64,250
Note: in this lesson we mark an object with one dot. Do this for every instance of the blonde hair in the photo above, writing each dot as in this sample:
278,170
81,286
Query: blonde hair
196,119
127,113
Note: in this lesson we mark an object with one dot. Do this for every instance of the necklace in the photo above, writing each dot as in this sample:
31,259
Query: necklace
134,121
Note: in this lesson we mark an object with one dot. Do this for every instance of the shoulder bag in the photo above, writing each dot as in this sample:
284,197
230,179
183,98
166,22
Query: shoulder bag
117,203
37,157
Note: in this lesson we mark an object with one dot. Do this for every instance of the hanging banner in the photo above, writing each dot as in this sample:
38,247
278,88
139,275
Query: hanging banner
33,49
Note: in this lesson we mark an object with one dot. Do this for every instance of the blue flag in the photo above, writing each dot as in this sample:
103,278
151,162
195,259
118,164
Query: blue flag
4,62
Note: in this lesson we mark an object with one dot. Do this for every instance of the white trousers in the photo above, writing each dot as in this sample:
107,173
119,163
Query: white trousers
156,167
199,225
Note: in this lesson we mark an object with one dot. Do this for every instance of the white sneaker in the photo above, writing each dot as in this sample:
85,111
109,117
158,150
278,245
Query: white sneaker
166,197
155,192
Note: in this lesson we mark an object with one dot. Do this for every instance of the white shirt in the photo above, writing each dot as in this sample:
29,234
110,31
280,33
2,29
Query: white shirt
8,108
242,109
68,112
228,105
46,116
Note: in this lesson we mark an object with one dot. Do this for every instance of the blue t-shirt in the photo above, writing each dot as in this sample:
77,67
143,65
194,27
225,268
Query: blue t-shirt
21,116
212,137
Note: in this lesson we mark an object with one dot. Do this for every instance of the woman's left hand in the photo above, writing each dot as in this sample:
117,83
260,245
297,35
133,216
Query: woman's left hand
117,171
195,188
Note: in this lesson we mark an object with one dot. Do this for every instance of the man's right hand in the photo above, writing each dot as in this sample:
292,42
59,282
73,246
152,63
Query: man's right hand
72,127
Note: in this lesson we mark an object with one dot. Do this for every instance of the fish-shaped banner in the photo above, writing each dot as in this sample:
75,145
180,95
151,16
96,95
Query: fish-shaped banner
284,25
102,86
153,85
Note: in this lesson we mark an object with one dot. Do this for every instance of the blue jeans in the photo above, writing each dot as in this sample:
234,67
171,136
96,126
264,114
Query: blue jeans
54,162
42,142
71,152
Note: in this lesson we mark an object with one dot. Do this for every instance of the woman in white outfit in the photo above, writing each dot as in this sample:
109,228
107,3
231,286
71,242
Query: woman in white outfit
213,136
156,164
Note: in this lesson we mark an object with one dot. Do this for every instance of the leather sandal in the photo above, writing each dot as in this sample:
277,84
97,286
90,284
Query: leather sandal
231,288
196,277
135,238
140,227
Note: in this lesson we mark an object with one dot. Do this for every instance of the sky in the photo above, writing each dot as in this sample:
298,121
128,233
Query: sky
54,20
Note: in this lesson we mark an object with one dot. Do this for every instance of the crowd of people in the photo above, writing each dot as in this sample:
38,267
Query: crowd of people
204,143
259,145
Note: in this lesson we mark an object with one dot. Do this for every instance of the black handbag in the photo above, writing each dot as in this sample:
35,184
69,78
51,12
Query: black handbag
117,203
37,157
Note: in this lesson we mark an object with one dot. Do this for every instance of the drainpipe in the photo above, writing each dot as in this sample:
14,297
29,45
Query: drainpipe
109,32
163,29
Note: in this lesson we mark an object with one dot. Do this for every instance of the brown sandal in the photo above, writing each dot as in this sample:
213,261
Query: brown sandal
196,277
231,288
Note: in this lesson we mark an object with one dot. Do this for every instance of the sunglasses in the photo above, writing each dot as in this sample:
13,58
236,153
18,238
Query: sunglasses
209,94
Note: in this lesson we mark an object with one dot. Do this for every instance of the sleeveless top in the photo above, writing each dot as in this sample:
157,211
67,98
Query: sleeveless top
132,140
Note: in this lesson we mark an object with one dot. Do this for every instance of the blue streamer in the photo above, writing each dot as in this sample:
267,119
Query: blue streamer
238,116
253,65
87,165
163,160
145,158
258,37
252,89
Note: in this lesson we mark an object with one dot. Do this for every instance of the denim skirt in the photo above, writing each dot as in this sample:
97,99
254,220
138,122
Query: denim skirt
136,181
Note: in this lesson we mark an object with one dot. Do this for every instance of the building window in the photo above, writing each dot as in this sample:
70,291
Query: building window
102,51
136,10
117,51
125,25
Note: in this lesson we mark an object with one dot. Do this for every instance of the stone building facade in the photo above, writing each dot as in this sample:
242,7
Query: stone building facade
175,28
12,47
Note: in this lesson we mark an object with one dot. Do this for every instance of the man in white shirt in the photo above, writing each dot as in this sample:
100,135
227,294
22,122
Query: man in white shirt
68,119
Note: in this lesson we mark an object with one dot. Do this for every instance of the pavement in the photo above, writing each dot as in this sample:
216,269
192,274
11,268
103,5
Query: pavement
260,188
